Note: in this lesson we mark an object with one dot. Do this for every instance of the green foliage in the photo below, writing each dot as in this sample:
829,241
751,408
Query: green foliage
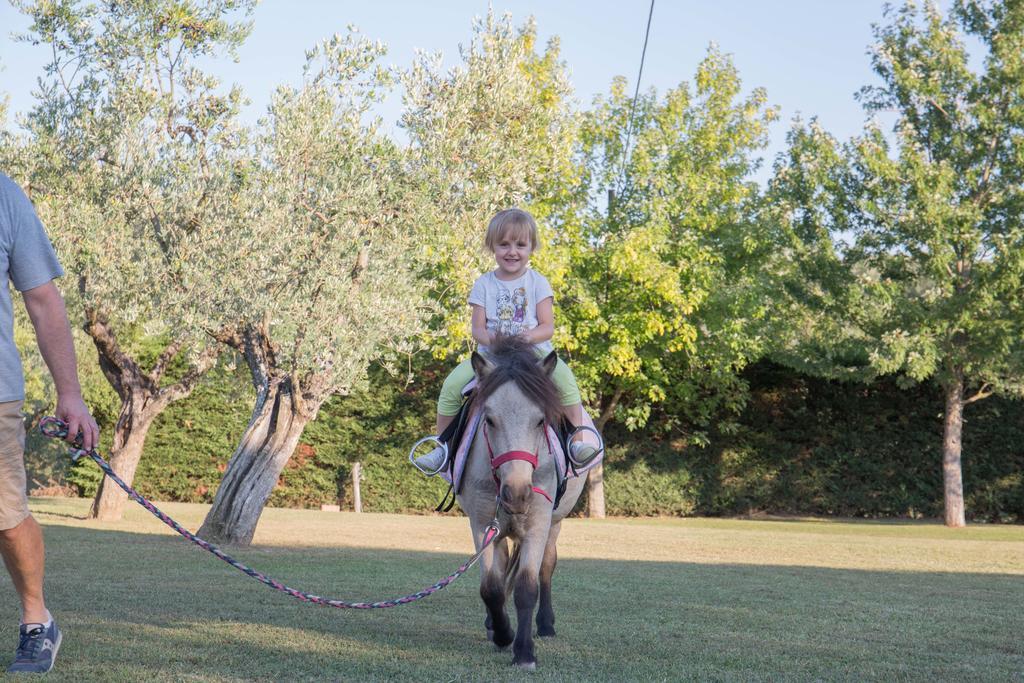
800,446
815,446
130,149
494,132
46,463
129,153
189,445
898,254
648,486
906,248
661,288
375,427
821,311
939,209
190,442
320,259
85,477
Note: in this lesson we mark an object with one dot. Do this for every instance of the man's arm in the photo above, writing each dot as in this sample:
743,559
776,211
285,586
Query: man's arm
53,334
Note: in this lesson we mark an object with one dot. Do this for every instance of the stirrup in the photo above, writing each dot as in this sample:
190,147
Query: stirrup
569,441
428,439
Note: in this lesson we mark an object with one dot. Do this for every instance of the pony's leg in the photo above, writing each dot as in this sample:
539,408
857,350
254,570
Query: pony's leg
527,589
492,590
545,612
492,587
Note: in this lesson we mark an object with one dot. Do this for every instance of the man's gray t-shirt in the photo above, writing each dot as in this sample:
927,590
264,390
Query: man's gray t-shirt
28,261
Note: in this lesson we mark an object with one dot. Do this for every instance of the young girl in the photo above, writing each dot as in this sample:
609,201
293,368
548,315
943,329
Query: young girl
512,299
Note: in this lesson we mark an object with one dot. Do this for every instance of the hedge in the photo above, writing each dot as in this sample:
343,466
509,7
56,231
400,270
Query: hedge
805,446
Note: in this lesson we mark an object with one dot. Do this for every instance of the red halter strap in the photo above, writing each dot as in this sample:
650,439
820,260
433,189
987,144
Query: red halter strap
509,456
513,455
537,489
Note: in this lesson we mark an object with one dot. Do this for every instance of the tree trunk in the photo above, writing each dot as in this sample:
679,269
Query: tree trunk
357,497
142,400
253,471
137,416
595,478
952,471
595,492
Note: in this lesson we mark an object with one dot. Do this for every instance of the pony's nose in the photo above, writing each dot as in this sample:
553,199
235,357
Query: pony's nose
515,499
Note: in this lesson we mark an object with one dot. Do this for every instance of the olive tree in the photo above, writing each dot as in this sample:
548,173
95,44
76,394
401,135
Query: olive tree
128,157
316,279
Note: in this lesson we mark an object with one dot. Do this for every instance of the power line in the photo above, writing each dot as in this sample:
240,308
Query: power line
636,94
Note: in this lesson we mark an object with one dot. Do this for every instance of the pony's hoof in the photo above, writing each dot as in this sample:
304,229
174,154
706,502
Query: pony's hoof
501,643
526,666
490,638
546,632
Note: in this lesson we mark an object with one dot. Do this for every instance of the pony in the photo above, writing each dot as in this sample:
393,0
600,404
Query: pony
511,476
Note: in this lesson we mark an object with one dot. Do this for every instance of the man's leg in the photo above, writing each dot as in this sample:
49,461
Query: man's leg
21,539
22,549
21,545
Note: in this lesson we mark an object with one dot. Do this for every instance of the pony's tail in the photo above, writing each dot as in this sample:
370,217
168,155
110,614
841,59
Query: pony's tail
512,567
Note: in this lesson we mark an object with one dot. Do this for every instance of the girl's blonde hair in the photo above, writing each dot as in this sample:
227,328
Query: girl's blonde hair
514,222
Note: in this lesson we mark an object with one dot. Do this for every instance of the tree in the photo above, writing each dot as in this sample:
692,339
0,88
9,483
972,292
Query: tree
316,279
662,283
940,209
822,313
910,243
4,133
496,131
128,144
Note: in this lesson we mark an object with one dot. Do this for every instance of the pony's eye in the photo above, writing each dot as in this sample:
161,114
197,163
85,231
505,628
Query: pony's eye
540,423
489,421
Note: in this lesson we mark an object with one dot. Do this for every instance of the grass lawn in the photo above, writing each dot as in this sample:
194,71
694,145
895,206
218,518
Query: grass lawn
635,600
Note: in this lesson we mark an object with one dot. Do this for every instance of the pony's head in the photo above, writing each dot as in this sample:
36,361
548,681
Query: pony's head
517,399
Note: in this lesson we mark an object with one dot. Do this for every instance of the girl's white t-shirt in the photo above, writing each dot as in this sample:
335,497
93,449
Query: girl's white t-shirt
511,307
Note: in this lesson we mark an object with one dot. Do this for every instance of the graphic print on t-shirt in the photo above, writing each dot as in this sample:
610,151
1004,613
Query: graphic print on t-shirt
511,311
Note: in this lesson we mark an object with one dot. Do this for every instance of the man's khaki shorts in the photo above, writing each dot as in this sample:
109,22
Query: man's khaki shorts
13,501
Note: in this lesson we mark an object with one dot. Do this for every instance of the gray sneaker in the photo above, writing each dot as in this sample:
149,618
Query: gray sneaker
37,649
431,463
581,452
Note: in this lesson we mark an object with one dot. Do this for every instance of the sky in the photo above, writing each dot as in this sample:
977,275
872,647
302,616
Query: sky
809,55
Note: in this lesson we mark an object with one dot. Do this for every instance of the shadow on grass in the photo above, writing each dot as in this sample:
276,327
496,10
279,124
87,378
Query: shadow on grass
59,515
138,606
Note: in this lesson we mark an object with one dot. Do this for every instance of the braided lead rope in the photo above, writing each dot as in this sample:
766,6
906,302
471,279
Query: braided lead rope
53,427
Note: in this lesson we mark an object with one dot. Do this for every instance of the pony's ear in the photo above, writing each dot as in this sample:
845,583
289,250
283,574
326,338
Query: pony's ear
481,366
549,363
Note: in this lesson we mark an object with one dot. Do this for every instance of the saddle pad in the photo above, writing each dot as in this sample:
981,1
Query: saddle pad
454,474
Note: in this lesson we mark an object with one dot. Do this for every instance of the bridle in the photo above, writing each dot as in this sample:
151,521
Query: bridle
509,456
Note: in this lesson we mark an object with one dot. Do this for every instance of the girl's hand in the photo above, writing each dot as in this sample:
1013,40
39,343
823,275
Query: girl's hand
545,329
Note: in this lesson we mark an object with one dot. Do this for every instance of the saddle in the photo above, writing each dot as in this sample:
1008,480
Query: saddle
458,437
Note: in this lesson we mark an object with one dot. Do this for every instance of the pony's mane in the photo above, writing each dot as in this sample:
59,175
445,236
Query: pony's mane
515,360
